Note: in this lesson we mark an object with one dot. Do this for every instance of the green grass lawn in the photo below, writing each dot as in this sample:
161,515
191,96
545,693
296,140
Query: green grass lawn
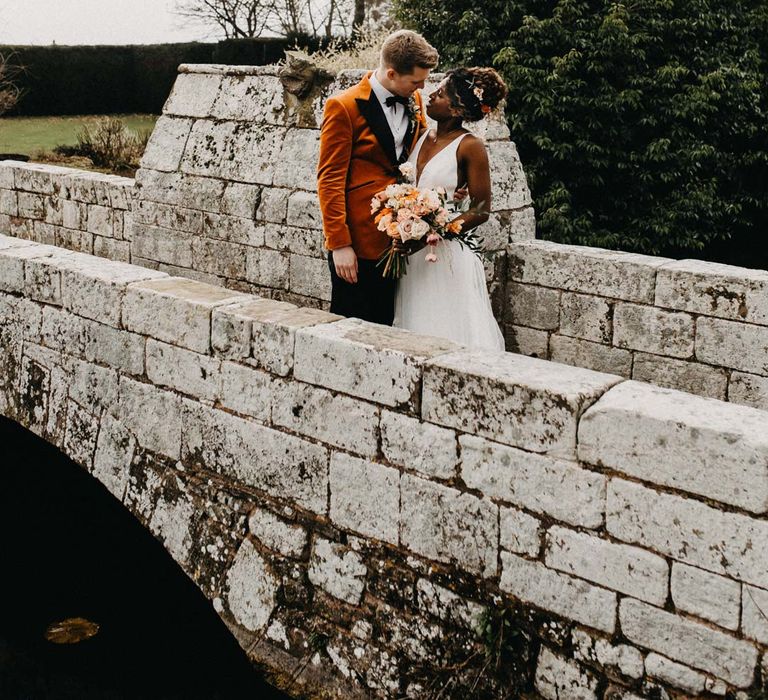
29,135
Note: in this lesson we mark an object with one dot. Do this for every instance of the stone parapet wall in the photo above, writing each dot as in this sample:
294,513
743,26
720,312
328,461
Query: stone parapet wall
75,209
355,499
696,326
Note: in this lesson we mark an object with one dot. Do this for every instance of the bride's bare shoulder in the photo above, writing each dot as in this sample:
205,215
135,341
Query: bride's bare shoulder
472,146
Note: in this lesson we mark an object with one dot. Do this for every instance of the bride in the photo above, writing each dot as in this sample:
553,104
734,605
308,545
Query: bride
449,298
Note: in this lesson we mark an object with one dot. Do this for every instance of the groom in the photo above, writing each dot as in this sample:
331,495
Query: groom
367,131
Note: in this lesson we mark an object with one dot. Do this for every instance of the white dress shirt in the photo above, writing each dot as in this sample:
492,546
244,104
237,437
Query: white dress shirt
396,115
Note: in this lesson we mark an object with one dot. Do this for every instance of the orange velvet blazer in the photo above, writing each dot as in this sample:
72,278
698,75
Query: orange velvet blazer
357,160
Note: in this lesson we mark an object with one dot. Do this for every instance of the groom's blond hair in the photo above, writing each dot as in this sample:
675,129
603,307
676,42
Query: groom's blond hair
404,50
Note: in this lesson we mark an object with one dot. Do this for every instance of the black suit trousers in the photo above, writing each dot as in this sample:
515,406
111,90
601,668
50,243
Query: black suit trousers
372,298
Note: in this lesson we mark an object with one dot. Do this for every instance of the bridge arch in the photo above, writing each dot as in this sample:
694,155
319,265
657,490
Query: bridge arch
72,550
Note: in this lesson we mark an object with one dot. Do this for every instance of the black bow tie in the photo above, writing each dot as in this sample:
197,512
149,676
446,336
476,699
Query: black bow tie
394,99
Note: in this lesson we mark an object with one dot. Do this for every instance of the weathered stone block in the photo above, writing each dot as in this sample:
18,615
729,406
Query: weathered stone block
167,143
12,262
296,165
241,200
689,642
138,408
193,95
304,211
365,497
620,567
587,317
595,356
257,99
309,276
626,659
78,241
732,344
749,389
686,442
80,435
170,216
93,341
447,525
689,531
246,390
111,249
31,206
235,229
267,268
712,289
6,174
373,362
754,615
114,452
527,341
186,371
178,189
231,326
706,595
516,400
273,207
9,203
35,177
303,241
532,306
94,288
508,183
595,271
337,570
251,588
220,258
653,330
175,310
273,333
418,446
276,534
692,377
571,598
310,411
446,605
161,245
558,678
674,674
281,465
208,146
539,483
74,214
519,532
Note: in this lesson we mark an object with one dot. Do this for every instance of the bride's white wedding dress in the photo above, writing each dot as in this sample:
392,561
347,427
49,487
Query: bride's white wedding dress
447,298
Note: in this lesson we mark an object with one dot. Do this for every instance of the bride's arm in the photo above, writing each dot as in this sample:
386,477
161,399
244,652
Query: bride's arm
473,161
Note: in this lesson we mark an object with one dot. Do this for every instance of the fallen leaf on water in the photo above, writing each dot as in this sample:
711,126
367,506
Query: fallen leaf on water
71,631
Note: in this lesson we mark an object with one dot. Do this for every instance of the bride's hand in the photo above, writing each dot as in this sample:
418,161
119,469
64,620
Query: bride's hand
461,193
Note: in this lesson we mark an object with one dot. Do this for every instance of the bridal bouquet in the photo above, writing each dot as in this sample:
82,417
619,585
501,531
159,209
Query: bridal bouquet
409,215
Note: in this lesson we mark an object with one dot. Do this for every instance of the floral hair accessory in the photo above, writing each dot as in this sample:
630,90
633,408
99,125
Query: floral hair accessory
477,91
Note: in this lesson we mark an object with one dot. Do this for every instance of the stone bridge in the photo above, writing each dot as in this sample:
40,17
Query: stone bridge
375,513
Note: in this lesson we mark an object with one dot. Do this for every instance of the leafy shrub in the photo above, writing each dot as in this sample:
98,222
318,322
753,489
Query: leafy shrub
641,126
108,145
9,90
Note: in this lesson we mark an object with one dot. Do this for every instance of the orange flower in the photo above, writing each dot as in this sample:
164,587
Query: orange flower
454,226
382,214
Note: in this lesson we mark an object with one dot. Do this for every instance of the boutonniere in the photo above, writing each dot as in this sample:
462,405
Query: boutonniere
414,110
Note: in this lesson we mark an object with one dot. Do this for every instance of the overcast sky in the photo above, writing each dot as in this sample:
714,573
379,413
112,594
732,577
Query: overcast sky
92,22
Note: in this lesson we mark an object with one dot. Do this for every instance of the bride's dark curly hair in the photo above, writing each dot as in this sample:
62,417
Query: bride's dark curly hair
474,92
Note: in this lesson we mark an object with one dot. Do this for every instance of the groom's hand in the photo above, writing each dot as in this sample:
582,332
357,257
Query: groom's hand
345,262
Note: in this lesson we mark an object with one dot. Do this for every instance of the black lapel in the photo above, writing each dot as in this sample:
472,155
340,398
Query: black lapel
374,115
407,140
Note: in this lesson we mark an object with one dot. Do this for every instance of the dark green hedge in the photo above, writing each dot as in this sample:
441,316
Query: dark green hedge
642,126
61,80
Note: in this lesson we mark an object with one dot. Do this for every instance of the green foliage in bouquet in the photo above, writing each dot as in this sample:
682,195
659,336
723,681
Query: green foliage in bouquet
641,125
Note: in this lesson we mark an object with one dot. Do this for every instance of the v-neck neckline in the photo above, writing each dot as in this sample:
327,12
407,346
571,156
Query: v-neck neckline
419,173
